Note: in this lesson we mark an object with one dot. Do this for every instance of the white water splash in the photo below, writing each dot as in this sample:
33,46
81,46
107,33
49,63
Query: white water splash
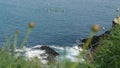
71,53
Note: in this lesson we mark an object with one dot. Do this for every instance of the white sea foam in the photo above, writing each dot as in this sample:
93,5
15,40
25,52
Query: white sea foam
71,52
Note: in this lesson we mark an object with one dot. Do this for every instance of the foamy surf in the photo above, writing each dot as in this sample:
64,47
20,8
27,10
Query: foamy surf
72,53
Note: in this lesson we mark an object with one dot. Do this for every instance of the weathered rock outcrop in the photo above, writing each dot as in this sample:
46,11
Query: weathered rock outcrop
96,40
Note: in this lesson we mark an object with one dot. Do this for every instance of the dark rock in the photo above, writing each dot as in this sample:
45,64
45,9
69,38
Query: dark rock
113,23
107,32
49,51
80,45
96,40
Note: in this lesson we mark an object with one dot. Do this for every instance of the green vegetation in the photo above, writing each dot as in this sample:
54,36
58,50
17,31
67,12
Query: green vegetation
108,54
8,59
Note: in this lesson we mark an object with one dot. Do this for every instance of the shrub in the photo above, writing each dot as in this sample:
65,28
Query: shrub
108,54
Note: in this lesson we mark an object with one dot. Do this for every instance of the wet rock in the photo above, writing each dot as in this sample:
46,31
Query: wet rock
80,45
96,40
49,51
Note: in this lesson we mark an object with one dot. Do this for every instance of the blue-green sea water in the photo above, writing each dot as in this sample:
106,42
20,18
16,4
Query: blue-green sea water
57,22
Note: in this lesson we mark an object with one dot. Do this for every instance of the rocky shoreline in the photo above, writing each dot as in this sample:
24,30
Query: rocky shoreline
91,47
50,53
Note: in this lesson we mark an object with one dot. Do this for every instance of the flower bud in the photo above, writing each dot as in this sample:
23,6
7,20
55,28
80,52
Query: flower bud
17,32
95,28
31,25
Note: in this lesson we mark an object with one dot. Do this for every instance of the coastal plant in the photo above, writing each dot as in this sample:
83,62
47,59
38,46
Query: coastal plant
7,54
108,54
15,39
30,27
8,61
95,28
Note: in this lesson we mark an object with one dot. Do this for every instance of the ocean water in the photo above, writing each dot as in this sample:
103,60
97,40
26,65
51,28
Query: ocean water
57,22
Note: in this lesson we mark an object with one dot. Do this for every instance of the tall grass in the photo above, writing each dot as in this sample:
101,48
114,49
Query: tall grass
7,57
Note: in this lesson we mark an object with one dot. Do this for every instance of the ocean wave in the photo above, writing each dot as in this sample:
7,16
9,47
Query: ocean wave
72,53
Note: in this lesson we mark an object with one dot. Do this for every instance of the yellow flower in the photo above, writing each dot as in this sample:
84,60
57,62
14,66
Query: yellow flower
95,28
31,25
